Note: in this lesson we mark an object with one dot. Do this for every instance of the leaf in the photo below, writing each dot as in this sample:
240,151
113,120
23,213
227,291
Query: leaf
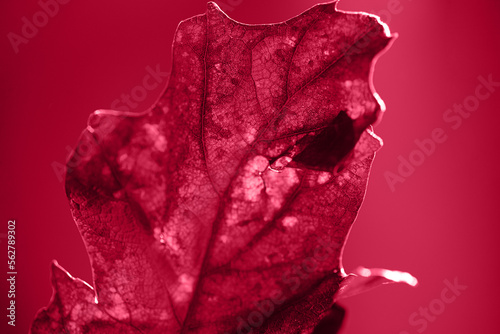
224,207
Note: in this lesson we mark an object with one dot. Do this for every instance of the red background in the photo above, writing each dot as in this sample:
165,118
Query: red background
441,223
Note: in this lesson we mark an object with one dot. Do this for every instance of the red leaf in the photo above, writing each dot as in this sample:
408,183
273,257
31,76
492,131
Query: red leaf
224,207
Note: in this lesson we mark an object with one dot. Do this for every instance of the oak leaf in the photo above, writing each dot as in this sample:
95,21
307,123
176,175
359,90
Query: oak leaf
225,206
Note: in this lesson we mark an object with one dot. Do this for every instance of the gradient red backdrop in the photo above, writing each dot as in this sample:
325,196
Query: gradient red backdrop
440,224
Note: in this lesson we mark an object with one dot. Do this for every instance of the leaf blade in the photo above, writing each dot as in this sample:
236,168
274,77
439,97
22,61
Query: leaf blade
210,186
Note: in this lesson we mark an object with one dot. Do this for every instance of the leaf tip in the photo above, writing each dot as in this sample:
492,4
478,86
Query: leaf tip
367,279
212,6
390,275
